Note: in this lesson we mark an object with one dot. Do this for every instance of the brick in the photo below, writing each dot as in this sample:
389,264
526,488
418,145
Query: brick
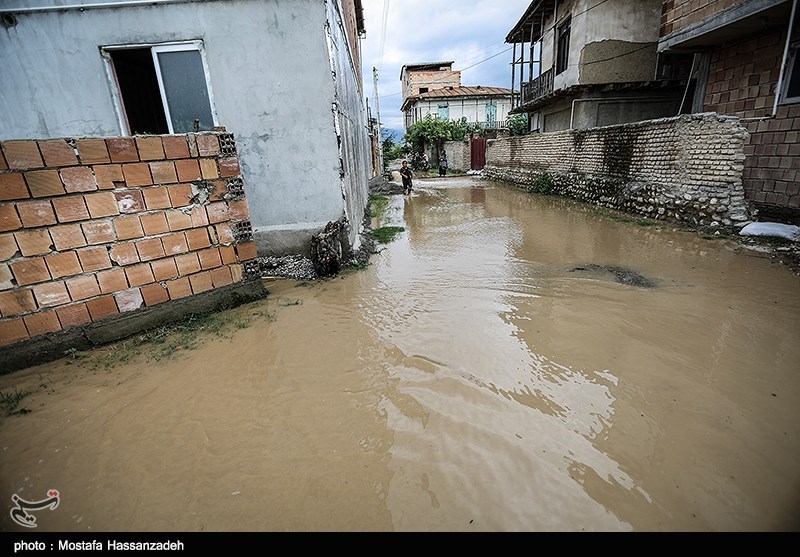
129,300
12,331
239,210
217,212
112,280
150,148
73,315
154,223
197,238
229,166
191,139
98,232
224,233
175,146
83,287
221,277
57,152
51,294
3,163
128,227
34,242
187,264
180,195
139,274
199,216
150,248
246,251
208,169
70,209
175,243
201,282
137,174
109,176
227,254
30,271
36,213
178,220
12,186
21,155
130,201
179,288
156,198
187,170
207,145
8,247
209,258
92,151
94,259
154,294
67,236
164,269
163,172
102,204
63,264
218,190
122,149
237,272
44,183
16,302
124,254
102,307
6,277
42,323
77,179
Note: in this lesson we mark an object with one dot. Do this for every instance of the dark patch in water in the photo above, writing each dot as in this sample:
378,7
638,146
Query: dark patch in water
621,275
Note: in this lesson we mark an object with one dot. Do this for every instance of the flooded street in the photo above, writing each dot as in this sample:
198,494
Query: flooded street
492,369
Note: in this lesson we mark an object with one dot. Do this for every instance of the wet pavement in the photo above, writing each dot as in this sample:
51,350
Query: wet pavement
498,366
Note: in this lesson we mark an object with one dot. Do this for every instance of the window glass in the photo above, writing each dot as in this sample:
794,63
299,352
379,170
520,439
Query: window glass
185,89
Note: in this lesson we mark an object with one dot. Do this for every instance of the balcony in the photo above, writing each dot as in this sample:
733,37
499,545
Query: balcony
537,88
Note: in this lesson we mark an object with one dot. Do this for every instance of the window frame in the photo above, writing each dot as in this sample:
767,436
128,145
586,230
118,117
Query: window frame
446,107
794,51
562,54
155,48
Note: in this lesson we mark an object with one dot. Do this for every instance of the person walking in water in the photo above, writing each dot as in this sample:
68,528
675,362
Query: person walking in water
443,163
407,174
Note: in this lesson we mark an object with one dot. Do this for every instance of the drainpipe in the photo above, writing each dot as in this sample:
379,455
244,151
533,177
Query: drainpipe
781,75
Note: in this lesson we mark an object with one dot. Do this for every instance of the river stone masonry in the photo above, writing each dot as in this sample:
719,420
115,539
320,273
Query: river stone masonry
686,168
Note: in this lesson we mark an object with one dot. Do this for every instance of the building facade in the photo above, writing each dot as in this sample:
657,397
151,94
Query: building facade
487,106
746,64
283,77
581,63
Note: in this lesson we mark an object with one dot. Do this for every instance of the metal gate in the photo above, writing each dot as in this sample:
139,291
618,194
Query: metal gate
477,149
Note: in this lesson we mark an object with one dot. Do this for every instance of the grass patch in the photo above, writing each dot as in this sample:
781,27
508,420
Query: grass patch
287,303
386,234
9,401
622,217
377,206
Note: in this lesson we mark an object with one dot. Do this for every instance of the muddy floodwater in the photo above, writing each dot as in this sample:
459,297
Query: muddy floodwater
508,362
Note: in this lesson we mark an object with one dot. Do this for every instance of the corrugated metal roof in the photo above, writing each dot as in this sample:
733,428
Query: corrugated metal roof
477,91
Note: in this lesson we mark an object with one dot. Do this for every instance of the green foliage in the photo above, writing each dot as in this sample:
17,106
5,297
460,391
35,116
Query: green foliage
543,184
10,400
392,150
434,131
377,205
517,124
386,234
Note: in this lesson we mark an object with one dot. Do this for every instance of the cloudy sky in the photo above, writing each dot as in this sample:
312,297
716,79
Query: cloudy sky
465,31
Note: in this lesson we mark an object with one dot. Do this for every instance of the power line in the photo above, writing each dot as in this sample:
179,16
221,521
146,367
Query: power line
384,24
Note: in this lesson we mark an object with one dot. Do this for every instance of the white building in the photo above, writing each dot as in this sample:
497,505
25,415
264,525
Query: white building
487,106
284,77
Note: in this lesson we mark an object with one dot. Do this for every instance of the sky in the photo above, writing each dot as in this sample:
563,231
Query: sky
465,31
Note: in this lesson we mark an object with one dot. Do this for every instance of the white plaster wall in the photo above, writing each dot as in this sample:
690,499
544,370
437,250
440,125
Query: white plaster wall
473,109
270,77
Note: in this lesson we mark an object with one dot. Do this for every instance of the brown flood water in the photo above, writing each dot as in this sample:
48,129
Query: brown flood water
466,380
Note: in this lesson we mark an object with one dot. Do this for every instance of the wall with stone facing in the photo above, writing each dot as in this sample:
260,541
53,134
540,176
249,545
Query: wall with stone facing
458,155
677,14
91,228
687,168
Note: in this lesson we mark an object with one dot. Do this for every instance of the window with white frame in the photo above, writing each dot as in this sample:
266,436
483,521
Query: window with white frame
444,112
161,88
791,83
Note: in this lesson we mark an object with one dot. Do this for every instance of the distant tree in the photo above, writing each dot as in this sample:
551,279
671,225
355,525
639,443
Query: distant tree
433,131
518,124
392,150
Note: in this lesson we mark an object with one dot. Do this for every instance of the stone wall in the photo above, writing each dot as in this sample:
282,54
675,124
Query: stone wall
92,228
686,168
458,155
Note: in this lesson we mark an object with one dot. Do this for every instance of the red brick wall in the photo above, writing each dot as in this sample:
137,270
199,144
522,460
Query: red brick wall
677,14
90,228
742,81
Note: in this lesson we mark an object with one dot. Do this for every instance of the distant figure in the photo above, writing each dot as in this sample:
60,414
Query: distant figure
443,163
425,163
407,174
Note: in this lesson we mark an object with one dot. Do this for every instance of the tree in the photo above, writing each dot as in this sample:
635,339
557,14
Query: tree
435,132
391,149
518,124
